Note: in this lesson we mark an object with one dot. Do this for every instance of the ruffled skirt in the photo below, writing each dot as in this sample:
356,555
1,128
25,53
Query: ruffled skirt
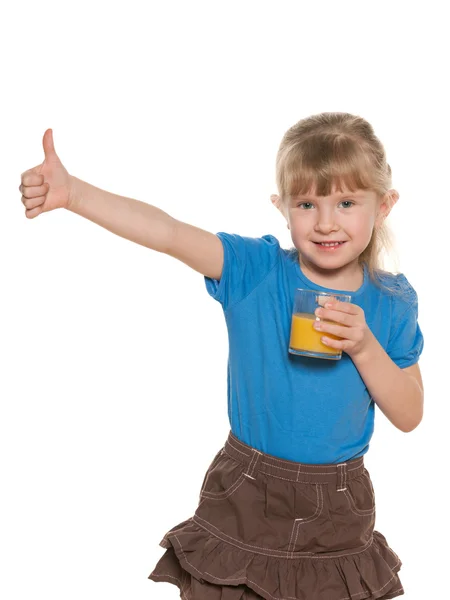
274,529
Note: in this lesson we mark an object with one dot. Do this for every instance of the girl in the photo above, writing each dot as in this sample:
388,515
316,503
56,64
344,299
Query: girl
287,508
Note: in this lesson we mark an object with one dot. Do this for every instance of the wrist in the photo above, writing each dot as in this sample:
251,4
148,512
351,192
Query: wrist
369,352
74,193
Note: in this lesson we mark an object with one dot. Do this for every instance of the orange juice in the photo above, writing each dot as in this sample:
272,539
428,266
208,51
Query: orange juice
305,337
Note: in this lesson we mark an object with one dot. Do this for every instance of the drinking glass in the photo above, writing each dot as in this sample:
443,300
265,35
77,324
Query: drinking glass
305,340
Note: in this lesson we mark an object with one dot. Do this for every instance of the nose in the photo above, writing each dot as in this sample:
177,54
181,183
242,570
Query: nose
326,222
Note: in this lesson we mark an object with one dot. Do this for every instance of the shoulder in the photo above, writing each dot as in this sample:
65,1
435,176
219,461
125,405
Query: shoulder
250,246
265,240
399,289
397,285
247,262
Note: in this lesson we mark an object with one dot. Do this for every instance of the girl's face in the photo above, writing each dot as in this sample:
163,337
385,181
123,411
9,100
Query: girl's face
347,217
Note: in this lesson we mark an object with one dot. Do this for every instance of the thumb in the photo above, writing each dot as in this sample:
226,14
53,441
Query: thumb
49,147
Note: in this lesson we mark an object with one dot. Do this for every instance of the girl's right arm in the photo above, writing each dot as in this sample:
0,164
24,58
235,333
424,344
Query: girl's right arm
148,226
49,186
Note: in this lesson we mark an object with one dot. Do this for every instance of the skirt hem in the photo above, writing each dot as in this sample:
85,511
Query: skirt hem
201,565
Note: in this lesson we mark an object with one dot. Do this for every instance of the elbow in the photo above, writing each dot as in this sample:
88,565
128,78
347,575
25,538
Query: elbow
409,428
414,421
410,425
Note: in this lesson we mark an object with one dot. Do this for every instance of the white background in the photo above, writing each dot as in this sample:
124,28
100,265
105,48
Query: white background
113,370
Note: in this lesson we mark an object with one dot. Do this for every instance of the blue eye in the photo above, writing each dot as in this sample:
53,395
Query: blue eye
348,202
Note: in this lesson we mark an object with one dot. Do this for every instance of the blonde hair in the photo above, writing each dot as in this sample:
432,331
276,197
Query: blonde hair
336,149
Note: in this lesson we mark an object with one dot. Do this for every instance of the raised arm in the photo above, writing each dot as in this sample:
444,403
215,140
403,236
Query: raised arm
49,186
148,226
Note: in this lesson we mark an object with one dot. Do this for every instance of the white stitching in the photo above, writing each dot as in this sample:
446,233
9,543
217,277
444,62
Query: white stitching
287,478
276,553
315,516
236,441
221,535
308,472
376,591
185,557
225,581
307,519
251,465
342,477
240,580
395,593
300,481
257,454
237,450
222,495
366,512
294,470
360,458
264,462
234,457
283,478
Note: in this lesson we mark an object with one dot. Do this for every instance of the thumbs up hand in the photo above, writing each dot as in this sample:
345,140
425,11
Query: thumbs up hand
48,185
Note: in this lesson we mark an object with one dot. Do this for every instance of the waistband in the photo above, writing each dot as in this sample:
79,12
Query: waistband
286,469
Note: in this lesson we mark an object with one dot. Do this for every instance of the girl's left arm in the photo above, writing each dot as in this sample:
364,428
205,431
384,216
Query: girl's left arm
398,392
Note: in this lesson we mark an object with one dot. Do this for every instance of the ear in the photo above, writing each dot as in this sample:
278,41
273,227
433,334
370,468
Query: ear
276,201
387,203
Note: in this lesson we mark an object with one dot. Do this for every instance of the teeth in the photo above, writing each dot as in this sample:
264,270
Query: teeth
334,244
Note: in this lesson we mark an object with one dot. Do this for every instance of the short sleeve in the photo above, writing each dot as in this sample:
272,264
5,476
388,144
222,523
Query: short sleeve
406,340
247,262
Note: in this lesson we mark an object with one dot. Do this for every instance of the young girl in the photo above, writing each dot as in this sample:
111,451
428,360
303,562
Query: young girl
287,508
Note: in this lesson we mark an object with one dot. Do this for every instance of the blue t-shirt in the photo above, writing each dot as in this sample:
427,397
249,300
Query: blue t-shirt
299,408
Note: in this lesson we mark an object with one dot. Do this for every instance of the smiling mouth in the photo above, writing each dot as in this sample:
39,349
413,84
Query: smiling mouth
329,244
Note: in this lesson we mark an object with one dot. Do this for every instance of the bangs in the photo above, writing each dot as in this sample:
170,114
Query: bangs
324,164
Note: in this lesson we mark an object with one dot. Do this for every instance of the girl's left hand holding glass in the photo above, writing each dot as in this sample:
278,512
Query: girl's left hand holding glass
352,328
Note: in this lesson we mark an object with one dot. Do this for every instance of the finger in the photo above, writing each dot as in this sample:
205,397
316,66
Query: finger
31,203
31,214
34,191
334,315
337,344
347,307
28,178
338,330
49,146
33,171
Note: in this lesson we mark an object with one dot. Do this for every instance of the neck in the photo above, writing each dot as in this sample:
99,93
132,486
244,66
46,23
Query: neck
349,277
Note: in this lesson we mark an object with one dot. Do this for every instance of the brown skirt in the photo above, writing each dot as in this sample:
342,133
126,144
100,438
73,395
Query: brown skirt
280,530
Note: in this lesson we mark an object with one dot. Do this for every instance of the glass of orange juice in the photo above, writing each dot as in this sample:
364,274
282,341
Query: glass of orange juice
305,340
